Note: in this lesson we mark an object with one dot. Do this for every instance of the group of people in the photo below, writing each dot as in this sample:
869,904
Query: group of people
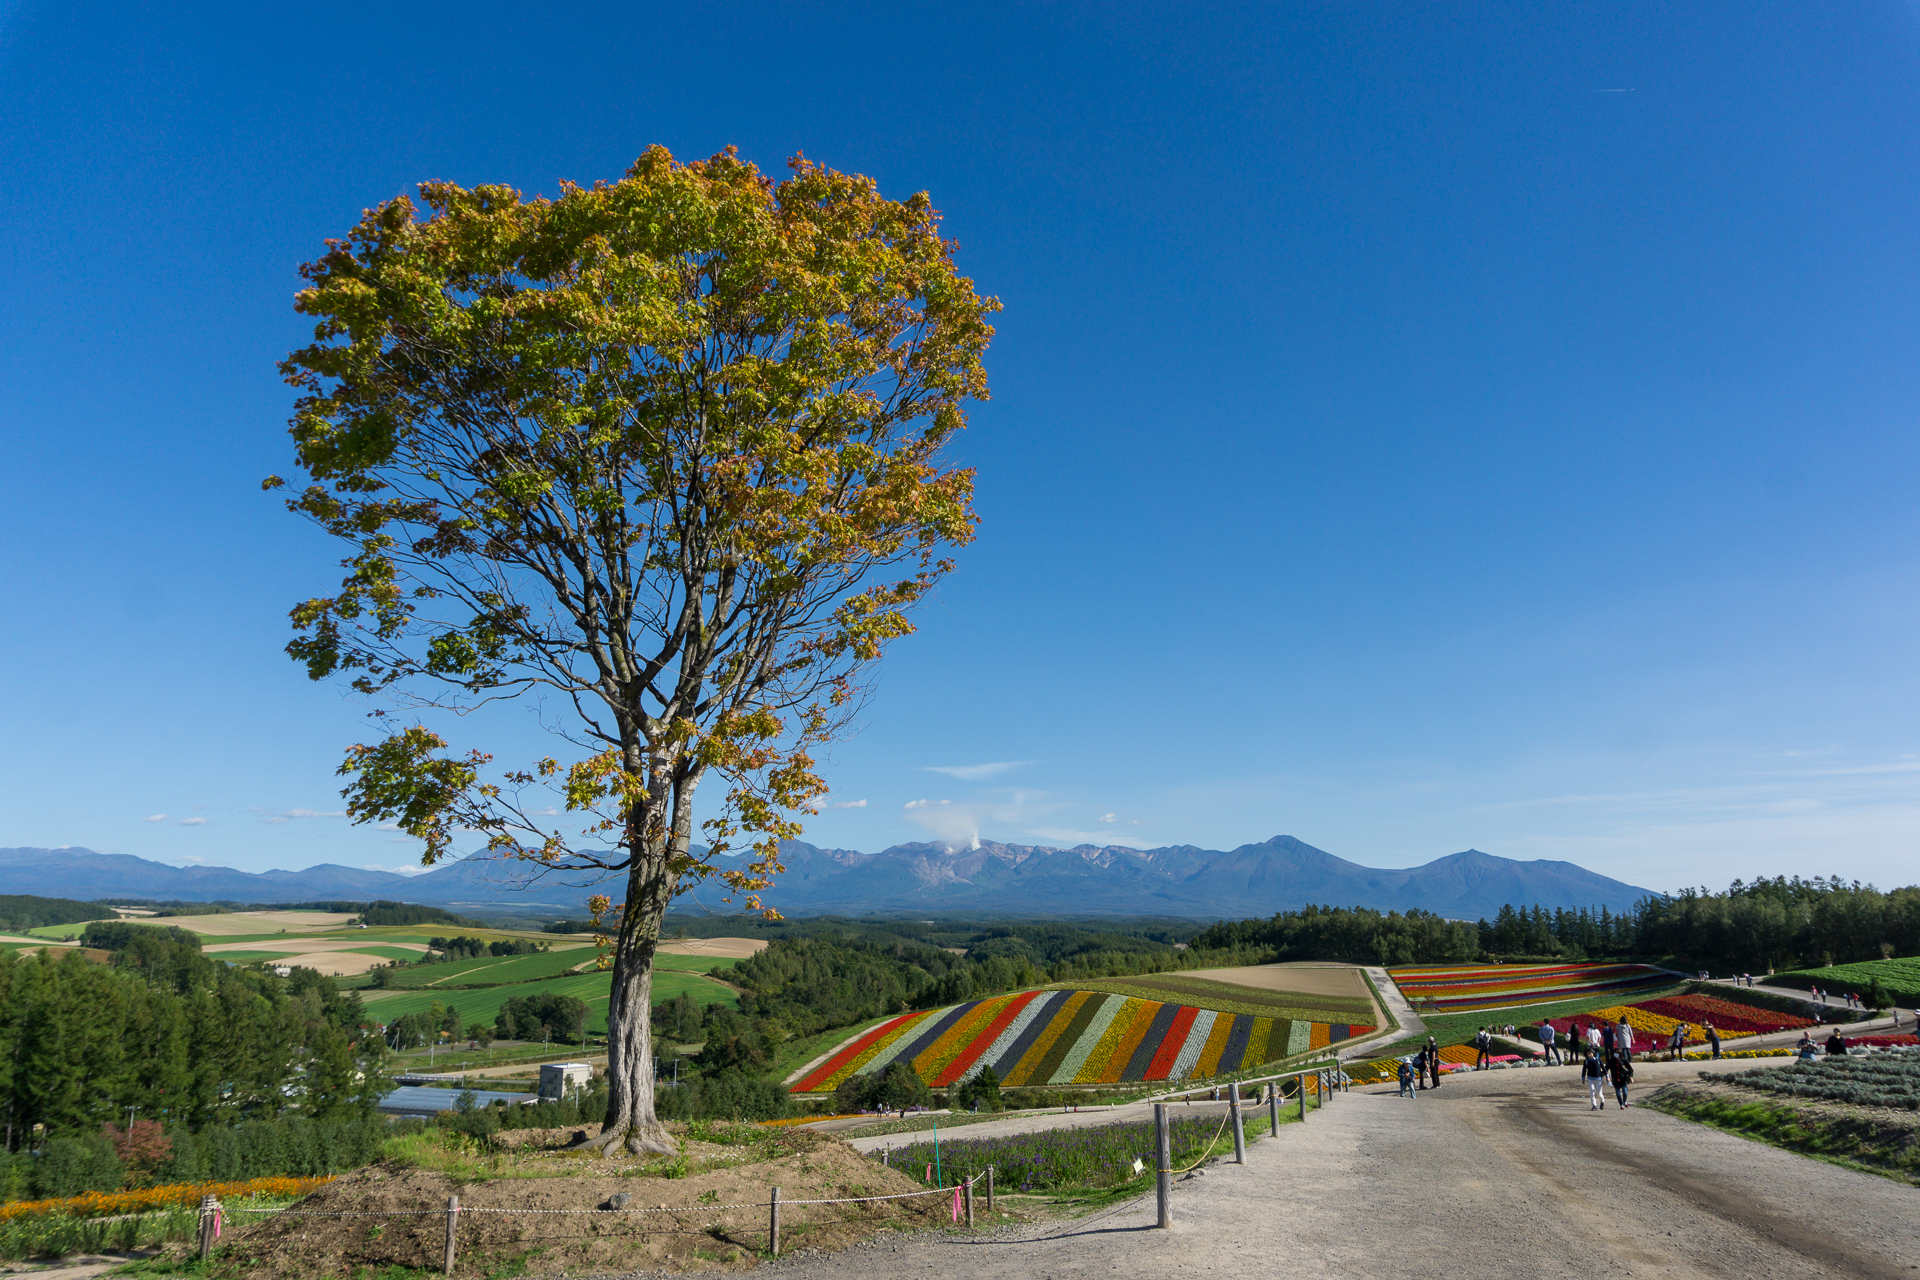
1820,997
1416,1071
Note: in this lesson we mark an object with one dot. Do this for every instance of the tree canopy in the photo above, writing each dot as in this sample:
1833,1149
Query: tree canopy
664,451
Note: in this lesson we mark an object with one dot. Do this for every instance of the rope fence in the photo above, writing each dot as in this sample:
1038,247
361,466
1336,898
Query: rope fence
213,1213
1324,1079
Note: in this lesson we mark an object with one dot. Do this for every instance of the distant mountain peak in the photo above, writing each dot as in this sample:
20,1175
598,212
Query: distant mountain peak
1278,874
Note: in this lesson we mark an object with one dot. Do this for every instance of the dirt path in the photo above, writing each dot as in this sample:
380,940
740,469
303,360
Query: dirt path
1497,1172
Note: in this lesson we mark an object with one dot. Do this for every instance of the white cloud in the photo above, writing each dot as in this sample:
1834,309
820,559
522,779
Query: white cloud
1109,818
274,818
977,772
190,861
548,812
920,804
155,817
316,813
192,822
848,804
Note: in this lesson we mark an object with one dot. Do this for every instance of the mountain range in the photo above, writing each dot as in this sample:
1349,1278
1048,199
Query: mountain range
988,879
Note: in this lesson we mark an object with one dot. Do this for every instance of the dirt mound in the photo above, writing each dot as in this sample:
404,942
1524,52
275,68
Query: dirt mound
706,1207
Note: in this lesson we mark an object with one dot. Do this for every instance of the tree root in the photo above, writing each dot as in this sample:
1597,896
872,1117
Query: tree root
636,1139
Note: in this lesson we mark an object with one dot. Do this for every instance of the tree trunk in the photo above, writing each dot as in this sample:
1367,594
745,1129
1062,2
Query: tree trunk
630,1119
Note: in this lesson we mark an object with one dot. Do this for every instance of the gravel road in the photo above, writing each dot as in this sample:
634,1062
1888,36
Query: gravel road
1502,1172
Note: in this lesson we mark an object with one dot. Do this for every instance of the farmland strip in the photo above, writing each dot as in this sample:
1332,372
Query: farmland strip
1233,1053
1038,1017
1049,1063
988,1040
1146,1051
1042,1047
1195,1045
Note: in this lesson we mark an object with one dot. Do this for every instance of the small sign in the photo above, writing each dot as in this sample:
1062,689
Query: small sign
1138,1168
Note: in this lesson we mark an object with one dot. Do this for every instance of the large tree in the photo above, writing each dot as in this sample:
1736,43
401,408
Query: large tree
663,453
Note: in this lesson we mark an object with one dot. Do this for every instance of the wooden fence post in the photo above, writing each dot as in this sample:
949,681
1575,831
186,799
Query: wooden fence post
1163,1161
453,1221
1239,1132
1273,1107
206,1225
773,1227
969,1195
989,1188
1301,1081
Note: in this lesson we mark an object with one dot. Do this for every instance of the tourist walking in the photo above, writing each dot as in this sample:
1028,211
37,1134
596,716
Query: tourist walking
1623,1038
1677,1038
1593,1036
1406,1079
1547,1045
1621,1073
1595,1075
1433,1060
1713,1038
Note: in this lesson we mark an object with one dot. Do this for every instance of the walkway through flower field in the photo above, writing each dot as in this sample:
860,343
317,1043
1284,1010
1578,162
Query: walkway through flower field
1503,1172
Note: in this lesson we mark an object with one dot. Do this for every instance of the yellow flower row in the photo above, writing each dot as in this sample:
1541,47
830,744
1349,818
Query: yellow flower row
1655,1024
1121,1038
98,1203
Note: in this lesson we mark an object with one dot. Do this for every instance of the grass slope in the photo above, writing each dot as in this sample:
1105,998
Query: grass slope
1872,1139
1900,977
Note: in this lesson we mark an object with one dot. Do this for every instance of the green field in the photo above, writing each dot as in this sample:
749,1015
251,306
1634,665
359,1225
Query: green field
483,1005
1901,978
489,970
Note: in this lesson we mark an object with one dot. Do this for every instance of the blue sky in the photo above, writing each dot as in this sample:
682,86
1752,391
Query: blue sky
1412,430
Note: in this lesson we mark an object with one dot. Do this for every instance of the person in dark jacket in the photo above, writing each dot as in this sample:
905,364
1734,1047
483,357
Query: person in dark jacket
1433,1060
1836,1045
1620,1071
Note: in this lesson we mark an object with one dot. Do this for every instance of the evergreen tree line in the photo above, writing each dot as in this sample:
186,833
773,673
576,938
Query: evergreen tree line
1756,927
1356,935
20,912
1759,926
177,1038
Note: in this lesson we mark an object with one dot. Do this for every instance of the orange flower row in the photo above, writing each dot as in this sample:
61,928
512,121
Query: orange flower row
107,1203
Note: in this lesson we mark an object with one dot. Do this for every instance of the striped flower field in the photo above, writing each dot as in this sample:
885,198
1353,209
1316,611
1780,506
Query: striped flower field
1071,1037
1464,989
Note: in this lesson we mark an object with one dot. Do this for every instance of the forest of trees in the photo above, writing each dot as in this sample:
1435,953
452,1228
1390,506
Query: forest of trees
177,1037
1756,926
1356,935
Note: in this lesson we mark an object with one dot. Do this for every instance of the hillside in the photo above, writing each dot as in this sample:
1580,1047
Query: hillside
998,879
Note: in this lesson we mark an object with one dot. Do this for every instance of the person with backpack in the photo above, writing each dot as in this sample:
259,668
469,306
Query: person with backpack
1620,1071
1595,1075
1483,1045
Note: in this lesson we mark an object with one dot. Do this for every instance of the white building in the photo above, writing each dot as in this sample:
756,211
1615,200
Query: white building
557,1077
